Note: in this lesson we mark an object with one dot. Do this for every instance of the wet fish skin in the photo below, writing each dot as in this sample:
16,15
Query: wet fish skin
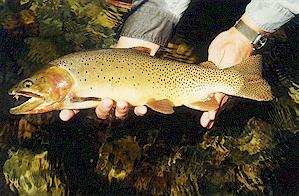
79,80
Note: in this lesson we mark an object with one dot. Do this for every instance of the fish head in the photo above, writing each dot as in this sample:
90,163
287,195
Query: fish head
46,91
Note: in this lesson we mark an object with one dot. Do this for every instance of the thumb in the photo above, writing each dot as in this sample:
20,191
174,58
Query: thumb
215,55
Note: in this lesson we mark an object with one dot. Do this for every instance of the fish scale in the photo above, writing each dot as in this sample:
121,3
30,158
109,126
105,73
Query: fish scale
124,69
135,77
146,76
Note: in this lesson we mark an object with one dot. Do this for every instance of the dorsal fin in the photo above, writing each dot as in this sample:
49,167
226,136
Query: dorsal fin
208,105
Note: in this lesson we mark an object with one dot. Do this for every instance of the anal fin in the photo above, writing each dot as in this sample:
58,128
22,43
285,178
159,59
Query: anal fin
163,106
208,105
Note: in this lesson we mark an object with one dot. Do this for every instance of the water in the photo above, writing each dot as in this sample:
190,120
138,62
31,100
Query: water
251,149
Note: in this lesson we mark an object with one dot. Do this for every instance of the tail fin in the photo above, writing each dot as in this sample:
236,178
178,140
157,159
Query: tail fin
254,85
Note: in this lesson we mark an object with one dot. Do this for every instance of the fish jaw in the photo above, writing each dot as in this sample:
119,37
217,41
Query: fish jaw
28,107
36,104
46,89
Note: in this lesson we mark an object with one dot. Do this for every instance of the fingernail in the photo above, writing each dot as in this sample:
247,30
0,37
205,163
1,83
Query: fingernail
204,119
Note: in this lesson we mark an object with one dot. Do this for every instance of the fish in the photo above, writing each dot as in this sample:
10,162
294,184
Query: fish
81,80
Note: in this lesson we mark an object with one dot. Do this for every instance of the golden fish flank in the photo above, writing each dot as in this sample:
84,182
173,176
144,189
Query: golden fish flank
79,80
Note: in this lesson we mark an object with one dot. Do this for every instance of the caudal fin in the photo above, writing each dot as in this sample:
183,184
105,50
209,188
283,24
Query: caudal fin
254,85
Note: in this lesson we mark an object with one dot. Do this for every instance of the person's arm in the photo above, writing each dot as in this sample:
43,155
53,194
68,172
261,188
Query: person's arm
270,15
231,47
150,27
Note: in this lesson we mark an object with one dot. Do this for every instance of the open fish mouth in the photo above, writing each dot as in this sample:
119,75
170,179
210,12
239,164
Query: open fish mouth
26,102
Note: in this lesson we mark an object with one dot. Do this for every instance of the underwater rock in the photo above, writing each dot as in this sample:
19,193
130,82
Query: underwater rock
116,159
178,50
256,137
29,173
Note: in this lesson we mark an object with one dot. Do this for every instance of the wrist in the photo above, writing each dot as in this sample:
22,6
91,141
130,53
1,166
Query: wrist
239,37
252,25
255,35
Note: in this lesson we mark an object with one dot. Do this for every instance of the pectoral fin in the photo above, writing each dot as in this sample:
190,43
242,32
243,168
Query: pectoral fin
208,105
163,106
81,102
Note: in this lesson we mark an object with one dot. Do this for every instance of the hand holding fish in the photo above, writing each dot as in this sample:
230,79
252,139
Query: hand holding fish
228,49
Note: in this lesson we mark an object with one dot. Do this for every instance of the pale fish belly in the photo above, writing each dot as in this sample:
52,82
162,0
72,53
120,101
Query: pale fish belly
206,91
138,95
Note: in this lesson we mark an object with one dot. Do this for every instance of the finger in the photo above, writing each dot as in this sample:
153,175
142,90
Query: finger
229,59
122,109
207,119
204,119
212,114
214,55
104,108
211,124
219,97
66,115
140,110
224,100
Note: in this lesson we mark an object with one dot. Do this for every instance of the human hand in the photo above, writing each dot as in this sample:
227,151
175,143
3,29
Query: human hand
227,49
121,107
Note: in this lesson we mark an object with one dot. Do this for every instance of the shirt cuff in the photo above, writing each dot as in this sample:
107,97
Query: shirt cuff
268,15
151,23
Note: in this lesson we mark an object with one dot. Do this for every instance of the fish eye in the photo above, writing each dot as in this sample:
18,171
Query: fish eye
27,83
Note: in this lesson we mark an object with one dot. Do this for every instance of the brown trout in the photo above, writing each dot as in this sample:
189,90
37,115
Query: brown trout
80,80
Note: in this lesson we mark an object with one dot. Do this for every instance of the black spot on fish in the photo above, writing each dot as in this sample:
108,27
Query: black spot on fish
84,79
85,71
